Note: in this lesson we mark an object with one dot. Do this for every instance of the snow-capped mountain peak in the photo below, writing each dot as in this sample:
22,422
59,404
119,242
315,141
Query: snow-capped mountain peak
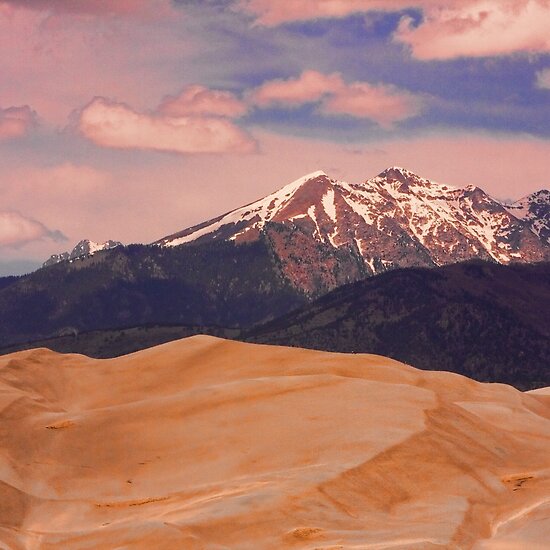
397,173
83,249
88,248
534,209
395,219
253,217
311,176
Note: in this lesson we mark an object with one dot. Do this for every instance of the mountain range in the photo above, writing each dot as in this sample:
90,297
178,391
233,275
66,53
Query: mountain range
136,285
477,318
261,261
348,231
326,232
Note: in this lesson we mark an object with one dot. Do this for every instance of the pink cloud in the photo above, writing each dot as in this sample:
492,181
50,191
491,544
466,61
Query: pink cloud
450,28
268,12
381,103
67,196
16,121
478,29
17,230
198,100
309,87
111,124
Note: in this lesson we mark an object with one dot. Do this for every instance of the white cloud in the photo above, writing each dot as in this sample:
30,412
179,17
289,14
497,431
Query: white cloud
479,29
450,28
309,87
382,103
112,124
197,100
17,230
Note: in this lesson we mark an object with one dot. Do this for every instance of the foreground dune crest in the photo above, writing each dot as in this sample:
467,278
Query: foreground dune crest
211,444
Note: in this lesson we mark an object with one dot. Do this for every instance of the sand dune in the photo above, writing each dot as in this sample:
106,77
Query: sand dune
209,444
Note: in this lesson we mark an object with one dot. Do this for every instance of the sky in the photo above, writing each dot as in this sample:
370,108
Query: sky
134,119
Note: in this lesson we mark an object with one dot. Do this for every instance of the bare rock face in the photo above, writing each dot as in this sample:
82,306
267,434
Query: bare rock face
326,232
209,444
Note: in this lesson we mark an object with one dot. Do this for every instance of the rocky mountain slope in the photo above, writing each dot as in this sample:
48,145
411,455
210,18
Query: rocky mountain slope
217,284
535,210
481,319
326,231
484,320
209,444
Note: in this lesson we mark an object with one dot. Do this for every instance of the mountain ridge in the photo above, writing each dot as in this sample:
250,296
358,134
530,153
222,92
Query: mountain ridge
535,209
82,249
291,247
201,285
480,319
396,219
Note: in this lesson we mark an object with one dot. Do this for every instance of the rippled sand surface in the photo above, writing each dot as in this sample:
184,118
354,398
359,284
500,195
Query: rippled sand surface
210,444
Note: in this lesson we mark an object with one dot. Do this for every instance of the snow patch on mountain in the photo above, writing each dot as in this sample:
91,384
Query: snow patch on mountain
83,249
259,212
328,204
391,218
535,210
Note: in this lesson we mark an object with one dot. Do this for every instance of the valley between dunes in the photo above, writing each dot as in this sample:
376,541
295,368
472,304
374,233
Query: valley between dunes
210,444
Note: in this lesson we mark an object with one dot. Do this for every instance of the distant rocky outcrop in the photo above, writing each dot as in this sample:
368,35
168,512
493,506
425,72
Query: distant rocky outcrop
83,249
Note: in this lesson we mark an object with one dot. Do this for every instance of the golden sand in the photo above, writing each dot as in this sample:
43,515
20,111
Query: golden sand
210,444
